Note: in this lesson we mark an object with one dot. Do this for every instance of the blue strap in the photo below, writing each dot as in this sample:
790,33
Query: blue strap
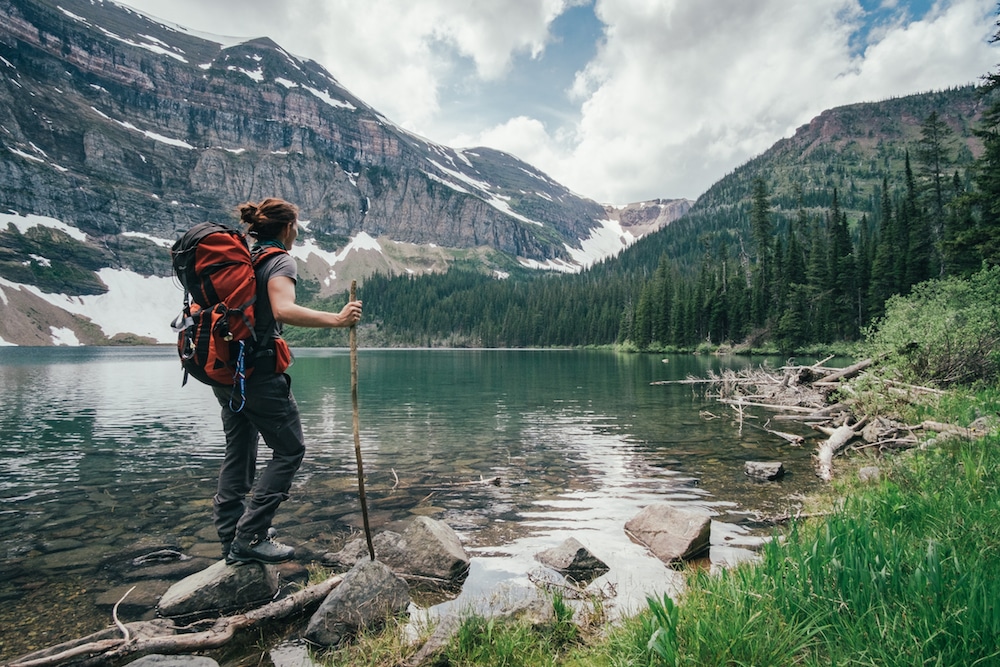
239,380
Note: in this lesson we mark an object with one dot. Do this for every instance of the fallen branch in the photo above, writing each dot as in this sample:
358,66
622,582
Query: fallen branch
108,651
795,440
775,519
768,406
939,427
915,387
688,381
114,616
892,443
440,486
838,440
847,372
822,361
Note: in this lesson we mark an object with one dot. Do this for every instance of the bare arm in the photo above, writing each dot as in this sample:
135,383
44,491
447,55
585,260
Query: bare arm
281,292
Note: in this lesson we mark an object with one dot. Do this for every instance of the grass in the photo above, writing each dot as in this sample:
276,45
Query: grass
902,573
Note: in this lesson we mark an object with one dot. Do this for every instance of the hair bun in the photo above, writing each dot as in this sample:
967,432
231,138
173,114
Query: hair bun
248,213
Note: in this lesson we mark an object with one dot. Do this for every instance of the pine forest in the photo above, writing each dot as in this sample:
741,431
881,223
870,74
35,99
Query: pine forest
799,247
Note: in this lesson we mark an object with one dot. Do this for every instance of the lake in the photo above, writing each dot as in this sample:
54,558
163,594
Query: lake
104,453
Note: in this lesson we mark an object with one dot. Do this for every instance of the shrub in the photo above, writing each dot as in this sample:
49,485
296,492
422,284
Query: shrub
945,332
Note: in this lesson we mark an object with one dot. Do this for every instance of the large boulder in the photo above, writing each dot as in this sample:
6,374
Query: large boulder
672,533
369,594
573,560
220,587
426,550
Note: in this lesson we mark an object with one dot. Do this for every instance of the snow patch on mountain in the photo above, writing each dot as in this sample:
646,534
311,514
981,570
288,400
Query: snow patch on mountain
25,222
133,304
164,243
333,102
605,241
307,248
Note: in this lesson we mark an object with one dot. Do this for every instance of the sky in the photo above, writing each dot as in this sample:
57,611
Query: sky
619,100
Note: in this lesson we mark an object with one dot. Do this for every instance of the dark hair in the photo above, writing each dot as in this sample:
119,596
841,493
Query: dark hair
267,219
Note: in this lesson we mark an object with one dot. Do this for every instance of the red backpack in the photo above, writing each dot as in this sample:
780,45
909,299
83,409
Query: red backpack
215,330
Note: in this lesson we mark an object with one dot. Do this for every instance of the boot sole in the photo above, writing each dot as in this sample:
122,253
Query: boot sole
237,560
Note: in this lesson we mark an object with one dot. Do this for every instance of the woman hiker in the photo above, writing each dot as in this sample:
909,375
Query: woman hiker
270,411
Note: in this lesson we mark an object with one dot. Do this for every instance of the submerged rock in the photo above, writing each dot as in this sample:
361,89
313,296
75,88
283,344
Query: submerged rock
765,471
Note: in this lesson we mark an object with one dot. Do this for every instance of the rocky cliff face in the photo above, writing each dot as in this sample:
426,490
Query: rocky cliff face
130,131
646,217
115,123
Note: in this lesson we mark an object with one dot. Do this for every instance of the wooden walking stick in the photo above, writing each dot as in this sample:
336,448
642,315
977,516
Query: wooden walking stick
357,430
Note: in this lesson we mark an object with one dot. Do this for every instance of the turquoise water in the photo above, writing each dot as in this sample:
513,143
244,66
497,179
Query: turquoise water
104,452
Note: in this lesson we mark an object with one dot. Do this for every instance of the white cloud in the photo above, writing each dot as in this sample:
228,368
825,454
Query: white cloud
682,93
678,94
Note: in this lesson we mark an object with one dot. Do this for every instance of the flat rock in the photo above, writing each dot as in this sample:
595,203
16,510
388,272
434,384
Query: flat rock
134,599
220,587
672,533
766,471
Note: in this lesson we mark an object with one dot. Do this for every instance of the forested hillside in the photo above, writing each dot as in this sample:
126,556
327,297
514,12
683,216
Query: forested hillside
799,246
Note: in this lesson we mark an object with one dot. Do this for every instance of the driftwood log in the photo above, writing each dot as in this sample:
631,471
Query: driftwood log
801,394
145,637
838,439
845,373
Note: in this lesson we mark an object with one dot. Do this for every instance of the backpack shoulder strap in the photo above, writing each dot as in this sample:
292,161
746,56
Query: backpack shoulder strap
261,255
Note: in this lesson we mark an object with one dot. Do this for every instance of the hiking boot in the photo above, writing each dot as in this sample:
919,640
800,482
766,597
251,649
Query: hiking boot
227,544
259,550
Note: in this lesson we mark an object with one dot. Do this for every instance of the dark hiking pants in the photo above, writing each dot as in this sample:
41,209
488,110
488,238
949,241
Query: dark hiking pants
270,412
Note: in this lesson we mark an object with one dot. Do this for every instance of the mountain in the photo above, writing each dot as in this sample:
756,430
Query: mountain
119,132
825,249
847,150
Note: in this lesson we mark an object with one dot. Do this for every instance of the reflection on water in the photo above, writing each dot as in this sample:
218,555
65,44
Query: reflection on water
104,452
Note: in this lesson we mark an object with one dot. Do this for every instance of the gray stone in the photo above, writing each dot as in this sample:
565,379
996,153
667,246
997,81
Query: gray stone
573,560
157,660
869,474
427,549
134,599
672,533
172,570
984,425
764,470
369,594
220,587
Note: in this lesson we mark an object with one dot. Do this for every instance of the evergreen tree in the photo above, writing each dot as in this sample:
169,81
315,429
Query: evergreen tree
816,282
983,241
934,157
883,282
762,234
959,255
918,258
841,274
865,258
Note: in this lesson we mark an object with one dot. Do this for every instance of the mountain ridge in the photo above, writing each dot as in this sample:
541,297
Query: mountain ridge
129,130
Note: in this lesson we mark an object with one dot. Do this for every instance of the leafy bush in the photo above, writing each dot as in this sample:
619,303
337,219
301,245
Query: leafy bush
945,332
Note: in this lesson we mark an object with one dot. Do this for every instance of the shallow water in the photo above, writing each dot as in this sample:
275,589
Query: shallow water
105,455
